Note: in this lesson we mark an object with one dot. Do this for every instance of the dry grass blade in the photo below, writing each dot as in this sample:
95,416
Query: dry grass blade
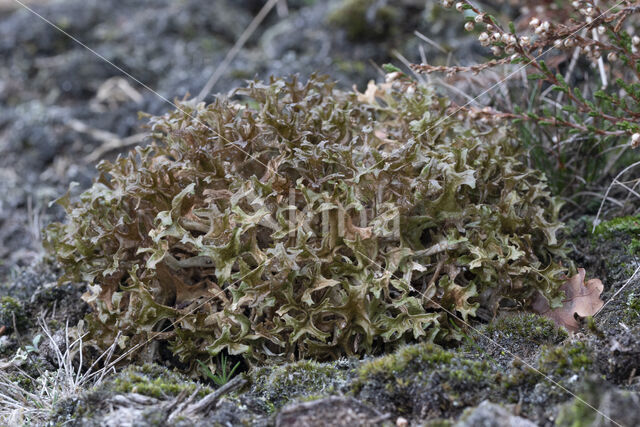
32,404
615,181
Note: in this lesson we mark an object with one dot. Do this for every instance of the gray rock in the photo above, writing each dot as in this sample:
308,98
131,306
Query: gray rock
489,414
335,411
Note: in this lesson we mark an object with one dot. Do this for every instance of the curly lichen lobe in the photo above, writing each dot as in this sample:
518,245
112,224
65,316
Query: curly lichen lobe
296,220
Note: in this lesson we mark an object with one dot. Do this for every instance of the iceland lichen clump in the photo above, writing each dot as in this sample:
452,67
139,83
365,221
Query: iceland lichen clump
295,220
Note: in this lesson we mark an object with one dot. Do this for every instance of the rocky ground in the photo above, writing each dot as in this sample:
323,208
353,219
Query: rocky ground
62,109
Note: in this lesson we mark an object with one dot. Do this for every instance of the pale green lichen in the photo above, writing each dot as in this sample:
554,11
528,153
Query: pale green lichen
305,380
296,220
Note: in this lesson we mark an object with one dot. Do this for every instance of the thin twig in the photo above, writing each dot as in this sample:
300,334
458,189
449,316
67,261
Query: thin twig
110,141
248,32
431,42
207,402
619,290
407,64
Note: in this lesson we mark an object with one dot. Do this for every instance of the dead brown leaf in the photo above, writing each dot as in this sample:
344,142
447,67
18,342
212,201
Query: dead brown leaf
580,297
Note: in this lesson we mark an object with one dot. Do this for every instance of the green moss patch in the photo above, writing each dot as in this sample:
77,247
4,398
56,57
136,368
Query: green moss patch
154,381
576,414
632,309
562,360
425,379
526,328
11,309
625,224
627,227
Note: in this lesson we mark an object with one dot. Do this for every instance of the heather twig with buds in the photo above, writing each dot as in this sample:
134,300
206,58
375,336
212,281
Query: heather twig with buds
599,108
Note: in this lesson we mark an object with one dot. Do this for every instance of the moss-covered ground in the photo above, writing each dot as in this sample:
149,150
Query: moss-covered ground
519,360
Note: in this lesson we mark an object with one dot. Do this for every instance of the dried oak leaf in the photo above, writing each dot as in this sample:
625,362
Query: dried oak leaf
580,297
